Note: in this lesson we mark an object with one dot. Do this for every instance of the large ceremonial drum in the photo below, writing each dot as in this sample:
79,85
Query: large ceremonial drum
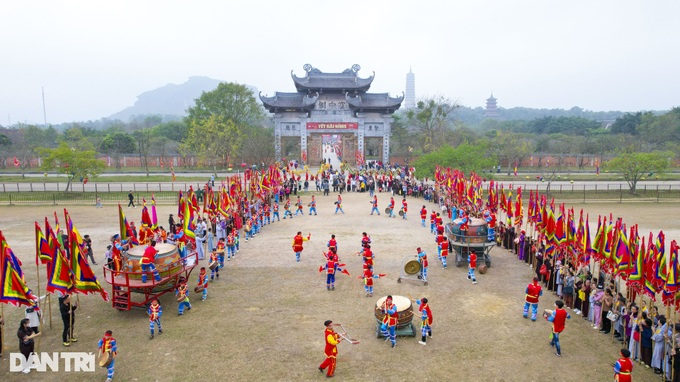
477,231
168,261
404,310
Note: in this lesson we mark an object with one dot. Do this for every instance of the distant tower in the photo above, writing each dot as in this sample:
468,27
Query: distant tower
410,95
491,108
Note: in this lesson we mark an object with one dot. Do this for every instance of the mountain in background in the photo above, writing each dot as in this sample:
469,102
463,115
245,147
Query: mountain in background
171,100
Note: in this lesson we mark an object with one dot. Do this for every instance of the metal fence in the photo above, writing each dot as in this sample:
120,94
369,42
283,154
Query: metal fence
166,192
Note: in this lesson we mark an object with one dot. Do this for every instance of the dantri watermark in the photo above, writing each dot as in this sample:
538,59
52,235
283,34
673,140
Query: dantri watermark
56,361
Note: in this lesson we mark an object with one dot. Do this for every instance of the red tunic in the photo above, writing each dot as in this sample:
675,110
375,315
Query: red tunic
445,249
297,243
332,243
391,319
473,260
332,340
533,292
404,205
626,367
368,277
558,322
423,214
426,308
433,217
149,255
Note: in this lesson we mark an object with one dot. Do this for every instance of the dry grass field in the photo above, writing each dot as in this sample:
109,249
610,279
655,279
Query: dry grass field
263,320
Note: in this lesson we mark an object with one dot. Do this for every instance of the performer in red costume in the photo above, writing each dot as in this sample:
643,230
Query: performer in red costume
444,251
108,344
331,268
368,277
332,243
433,222
558,317
533,292
404,208
426,320
374,204
147,262
623,367
297,244
203,282
389,324
331,351
155,311
391,208
423,215
472,265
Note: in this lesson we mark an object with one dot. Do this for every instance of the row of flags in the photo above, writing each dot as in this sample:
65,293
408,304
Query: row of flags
67,271
618,248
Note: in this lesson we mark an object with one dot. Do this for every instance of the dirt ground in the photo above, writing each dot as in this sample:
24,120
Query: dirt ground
264,318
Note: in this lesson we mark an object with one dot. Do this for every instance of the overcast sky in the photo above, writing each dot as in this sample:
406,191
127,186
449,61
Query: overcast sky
94,57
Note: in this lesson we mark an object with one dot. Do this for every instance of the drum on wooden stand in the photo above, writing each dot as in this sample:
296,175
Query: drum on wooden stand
105,359
404,310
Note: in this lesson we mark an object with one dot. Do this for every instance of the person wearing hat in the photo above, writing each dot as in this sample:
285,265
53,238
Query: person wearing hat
623,367
108,344
422,259
389,324
67,310
533,292
426,320
472,265
171,223
331,350
182,294
155,311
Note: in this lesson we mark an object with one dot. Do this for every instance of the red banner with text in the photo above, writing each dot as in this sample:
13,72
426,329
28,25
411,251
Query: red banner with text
332,126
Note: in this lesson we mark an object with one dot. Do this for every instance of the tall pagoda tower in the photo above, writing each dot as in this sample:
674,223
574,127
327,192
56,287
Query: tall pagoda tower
491,108
410,95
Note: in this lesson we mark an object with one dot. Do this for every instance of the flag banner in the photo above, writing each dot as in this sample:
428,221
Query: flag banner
14,289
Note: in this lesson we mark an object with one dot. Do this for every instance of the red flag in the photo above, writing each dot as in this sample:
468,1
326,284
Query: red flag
16,162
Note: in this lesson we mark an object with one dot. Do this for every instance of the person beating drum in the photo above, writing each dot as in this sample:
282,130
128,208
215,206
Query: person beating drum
389,324
108,345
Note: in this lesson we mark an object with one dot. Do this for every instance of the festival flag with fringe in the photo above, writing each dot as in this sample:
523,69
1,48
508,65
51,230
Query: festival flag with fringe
44,253
180,206
84,280
14,289
154,216
622,251
672,276
649,268
188,223
660,256
146,217
636,275
59,275
519,213
126,232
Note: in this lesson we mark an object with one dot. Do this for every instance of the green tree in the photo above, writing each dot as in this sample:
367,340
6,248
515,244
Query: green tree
465,157
218,122
430,119
635,165
75,163
627,124
117,144
175,131
259,147
213,140
4,140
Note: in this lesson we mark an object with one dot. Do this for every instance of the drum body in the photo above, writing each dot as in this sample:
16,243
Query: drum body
477,231
168,261
105,359
387,210
482,268
214,265
198,289
404,310
401,213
